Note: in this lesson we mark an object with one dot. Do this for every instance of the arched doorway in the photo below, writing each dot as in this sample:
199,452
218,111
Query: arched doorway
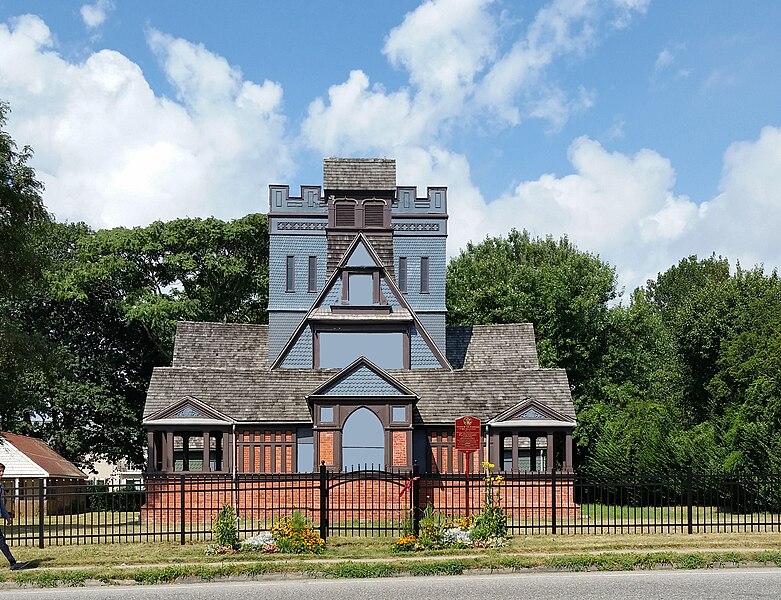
363,441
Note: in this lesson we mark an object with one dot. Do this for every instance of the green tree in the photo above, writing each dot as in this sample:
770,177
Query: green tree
563,291
22,215
21,210
107,317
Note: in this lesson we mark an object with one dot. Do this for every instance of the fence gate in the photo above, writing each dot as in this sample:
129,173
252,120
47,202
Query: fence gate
367,502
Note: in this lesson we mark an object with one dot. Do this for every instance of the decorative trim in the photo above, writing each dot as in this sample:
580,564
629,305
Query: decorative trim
300,226
416,226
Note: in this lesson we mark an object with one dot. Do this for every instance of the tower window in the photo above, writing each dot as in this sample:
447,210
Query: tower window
402,274
424,275
312,274
290,274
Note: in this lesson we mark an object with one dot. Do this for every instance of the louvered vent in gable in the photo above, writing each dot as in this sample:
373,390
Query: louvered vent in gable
345,214
373,214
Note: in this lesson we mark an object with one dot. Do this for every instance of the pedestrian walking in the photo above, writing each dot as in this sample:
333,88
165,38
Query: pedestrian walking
9,517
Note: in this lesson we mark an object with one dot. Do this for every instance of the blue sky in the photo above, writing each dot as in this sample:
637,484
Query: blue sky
645,130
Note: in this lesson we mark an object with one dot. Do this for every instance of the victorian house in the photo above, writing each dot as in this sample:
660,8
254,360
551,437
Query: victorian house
356,366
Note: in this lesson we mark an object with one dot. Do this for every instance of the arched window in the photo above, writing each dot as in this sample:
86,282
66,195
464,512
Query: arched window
363,441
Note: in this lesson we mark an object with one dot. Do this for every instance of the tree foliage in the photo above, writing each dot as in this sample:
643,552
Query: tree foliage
106,317
563,291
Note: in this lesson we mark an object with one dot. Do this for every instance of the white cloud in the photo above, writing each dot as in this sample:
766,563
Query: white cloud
563,27
444,44
95,14
112,153
618,206
742,221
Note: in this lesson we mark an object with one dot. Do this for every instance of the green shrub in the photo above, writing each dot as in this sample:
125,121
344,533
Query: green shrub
226,531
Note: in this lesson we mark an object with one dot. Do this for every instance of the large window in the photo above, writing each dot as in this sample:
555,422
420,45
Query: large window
363,441
305,450
339,349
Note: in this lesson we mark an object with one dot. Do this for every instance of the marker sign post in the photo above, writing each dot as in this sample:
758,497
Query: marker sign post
467,442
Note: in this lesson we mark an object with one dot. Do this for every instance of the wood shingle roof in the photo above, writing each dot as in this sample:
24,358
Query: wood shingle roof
225,366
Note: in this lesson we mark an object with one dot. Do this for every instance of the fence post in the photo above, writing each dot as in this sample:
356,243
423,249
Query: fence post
41,510
689,502
415,500
323,501
181,509
553,500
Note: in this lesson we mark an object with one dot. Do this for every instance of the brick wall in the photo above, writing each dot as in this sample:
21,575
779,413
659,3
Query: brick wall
352,501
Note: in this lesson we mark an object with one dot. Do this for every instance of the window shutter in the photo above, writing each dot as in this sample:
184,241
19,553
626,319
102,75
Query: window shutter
373,215
345,215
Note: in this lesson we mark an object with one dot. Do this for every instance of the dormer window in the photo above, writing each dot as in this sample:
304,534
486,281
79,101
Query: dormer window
361,288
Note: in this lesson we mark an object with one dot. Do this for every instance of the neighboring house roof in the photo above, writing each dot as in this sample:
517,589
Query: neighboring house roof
25,456
498,363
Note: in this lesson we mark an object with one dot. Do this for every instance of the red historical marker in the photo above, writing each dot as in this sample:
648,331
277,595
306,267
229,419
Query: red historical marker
467,441
468,434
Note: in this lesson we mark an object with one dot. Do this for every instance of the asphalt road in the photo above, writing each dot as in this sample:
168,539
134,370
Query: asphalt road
732,584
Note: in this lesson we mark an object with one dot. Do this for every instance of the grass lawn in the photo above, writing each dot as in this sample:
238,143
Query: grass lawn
162,562
374,548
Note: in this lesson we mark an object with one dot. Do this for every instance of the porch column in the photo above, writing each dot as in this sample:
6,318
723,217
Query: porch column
227,459
551,454
207,438
514,463
151,452
169,451
185,452
568,465
533,452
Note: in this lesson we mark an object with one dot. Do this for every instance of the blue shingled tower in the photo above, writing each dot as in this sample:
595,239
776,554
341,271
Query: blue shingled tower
357,266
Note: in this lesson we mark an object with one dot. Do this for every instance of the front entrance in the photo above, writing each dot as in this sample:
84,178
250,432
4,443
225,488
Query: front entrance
363,441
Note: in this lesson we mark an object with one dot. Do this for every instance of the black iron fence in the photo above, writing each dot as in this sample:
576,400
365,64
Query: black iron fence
181,508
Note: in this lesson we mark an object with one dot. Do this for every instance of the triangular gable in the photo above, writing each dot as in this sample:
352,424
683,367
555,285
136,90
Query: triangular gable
360,257
336,276
530,410
362,378
360,253
188,409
